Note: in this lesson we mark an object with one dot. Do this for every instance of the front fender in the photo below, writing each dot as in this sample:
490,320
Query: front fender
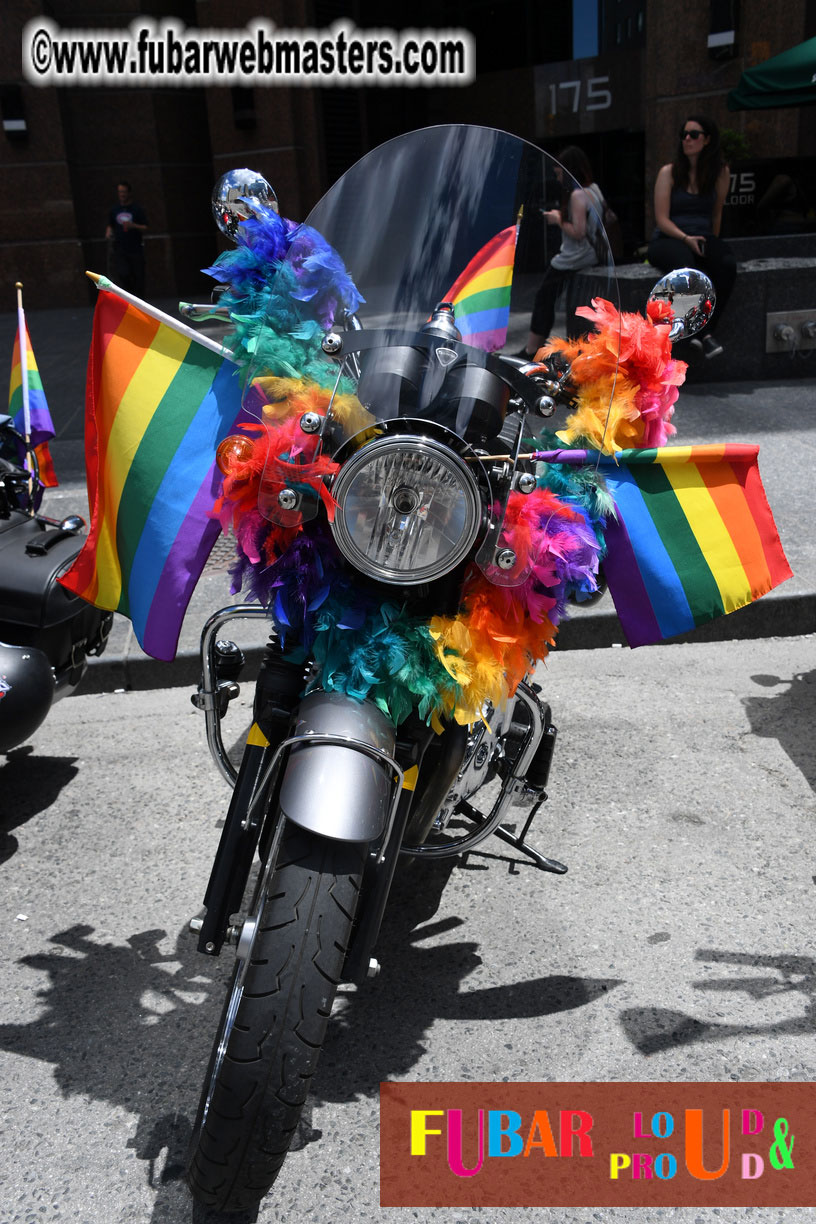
338,790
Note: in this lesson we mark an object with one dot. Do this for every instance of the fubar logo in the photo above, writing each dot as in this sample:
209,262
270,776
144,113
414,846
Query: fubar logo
623,1144
504,1137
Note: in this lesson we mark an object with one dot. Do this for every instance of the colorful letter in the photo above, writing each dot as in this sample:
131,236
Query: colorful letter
752,1121
752,1165
497,1132
665,1166
419,1130
642,1166
570,1132
541,1124
694,1145
618,1161
455,1144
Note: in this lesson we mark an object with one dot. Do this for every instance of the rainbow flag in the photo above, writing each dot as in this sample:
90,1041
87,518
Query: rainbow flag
481,294
41,427
157,405
694,537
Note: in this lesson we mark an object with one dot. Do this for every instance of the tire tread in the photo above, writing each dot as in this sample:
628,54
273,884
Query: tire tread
297,960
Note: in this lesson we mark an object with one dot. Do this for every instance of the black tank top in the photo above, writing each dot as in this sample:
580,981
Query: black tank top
691,212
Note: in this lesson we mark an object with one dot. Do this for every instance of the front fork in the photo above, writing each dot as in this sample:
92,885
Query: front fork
325,723
256,781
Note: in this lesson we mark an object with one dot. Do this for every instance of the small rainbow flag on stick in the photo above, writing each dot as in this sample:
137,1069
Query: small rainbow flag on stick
694,537
27,402
481,294
159,400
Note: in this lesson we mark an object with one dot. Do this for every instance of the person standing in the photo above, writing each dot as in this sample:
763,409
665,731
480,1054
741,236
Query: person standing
579,193
127,224
688,202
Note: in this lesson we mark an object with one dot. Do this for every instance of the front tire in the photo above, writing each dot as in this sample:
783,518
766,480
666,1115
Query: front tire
274,1021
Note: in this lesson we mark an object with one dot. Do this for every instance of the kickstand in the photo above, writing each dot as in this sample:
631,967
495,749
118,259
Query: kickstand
541,861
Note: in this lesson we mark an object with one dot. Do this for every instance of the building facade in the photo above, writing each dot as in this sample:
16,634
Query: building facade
614,76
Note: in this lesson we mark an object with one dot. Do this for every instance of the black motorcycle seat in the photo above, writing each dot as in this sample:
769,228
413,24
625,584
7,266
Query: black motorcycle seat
32,555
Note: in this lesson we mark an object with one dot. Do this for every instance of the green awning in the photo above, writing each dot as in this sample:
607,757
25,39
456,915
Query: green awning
788,79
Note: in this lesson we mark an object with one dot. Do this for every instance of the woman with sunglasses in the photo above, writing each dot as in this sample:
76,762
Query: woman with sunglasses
688,203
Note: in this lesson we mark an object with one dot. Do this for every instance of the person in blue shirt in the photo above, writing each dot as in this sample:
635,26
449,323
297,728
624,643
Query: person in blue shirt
127,224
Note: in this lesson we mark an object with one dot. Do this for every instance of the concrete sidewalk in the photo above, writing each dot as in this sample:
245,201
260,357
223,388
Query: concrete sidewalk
678,947
780,416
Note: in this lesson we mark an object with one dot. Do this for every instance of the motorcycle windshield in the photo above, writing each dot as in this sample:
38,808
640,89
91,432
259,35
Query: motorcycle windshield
446,215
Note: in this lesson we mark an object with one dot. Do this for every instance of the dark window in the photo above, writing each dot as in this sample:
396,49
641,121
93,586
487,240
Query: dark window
243,107
12,108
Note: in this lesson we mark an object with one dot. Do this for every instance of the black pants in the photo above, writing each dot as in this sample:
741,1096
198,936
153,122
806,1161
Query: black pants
719,263
128,270
546,299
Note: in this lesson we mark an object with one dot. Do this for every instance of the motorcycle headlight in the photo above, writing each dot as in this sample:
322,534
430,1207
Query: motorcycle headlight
408,510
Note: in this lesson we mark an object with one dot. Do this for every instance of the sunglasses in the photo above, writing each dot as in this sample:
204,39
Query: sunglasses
693,133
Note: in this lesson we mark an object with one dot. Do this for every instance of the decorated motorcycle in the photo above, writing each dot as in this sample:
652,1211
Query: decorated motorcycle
413,521
46,633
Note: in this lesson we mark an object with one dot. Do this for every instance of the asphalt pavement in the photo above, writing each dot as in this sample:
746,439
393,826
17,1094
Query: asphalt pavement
678,947
780,416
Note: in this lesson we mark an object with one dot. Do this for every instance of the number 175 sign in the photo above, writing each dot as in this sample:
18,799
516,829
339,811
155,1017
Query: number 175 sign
572,97
589,95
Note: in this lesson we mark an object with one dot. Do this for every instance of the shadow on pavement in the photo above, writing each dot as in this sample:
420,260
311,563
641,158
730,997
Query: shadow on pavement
29,784
381,1028
654,1029
788,717
131,1025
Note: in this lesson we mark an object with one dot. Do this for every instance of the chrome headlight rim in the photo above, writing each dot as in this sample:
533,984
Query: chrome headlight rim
419,446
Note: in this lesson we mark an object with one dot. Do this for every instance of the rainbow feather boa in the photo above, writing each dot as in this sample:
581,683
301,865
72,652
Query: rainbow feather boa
441,666
625,377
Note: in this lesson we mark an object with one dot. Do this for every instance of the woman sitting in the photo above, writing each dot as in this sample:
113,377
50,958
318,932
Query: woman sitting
688,203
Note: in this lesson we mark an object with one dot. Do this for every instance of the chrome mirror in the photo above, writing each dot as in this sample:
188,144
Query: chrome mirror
235,196
690,296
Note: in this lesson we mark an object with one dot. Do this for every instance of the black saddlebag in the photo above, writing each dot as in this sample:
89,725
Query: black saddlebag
35,610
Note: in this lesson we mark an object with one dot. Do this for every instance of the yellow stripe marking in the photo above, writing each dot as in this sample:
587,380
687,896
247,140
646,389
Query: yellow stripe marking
256,737
135,411
711,533
410,777
493,278
669,455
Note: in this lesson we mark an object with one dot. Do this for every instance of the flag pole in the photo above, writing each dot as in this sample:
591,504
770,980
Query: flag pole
21,340
103,283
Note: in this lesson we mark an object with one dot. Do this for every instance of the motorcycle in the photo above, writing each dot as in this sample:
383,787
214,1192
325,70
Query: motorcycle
46,633
414,532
